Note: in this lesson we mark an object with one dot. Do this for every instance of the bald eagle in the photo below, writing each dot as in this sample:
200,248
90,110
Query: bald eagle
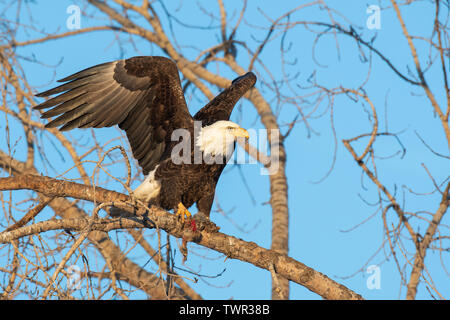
143,96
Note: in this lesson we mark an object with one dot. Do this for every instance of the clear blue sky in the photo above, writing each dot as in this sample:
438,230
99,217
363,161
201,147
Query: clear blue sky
319,212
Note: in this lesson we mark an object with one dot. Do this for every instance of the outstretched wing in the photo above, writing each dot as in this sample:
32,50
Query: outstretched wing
221,106
142,95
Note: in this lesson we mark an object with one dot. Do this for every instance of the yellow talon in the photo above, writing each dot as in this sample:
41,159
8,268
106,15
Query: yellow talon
183,212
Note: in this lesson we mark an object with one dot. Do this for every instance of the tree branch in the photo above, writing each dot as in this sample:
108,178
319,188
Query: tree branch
231,246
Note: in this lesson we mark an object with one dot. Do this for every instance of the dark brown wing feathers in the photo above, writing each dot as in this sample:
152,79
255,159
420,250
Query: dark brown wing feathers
142,95
222,105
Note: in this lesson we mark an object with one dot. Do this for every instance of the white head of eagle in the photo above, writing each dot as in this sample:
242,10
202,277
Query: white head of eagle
218,139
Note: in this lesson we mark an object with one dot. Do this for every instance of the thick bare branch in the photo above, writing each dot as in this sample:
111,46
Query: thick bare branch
231,246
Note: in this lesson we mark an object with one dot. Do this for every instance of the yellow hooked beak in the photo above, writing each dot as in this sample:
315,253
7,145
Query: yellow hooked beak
240,132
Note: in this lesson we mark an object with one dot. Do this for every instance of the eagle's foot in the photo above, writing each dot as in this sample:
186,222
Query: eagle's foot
183,213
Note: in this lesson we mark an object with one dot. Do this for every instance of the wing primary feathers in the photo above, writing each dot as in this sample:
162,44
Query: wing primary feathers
90,88
142,95
89,71
66,105
73,103
81,111
66,86
68,116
